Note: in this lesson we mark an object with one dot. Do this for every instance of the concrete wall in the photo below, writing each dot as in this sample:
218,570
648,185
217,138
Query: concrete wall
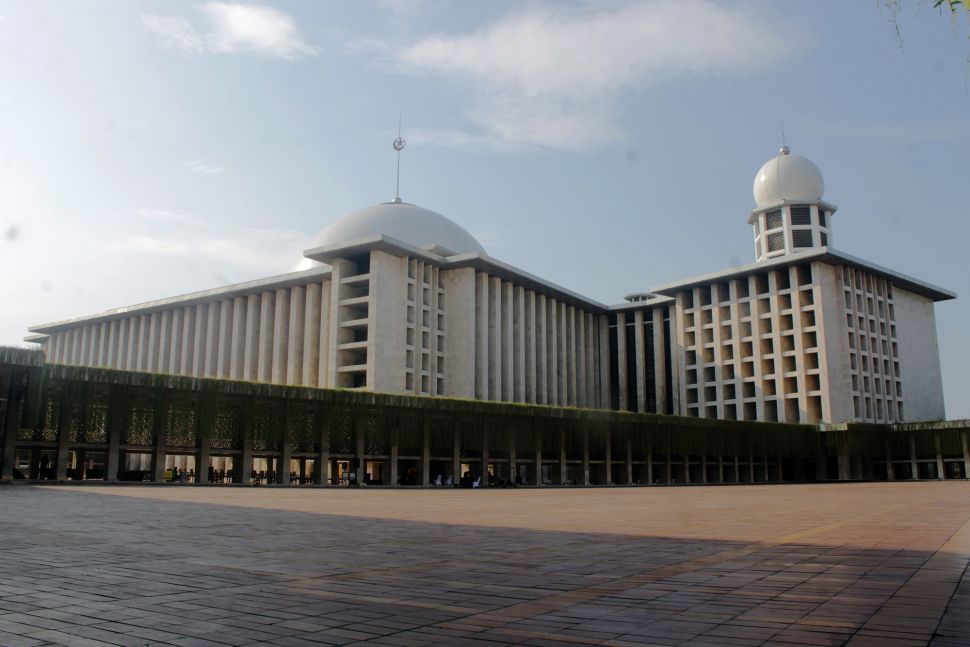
919,357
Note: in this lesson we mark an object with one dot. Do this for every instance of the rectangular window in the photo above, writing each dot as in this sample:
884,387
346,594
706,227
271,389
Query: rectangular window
802,238
825,239
801,215
776,242
823,218
773,220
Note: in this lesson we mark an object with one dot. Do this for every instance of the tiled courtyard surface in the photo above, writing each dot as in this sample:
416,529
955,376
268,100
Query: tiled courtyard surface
858,564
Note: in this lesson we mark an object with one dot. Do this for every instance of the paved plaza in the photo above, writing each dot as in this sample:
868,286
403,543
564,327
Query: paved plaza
860,564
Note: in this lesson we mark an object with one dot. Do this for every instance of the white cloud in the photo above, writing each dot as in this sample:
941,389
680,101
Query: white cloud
263,251
551,77
234,28
198,166
164,215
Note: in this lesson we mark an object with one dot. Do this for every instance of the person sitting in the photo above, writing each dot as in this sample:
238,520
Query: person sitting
449,482
437,481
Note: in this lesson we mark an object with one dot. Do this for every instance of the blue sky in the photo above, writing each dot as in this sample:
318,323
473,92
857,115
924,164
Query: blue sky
154,148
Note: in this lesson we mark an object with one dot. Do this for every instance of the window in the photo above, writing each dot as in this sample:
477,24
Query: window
773,220
776,242
801,215
801,238
825,239
823,218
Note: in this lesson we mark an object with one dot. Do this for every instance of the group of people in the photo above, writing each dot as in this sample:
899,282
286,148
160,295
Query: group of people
175,475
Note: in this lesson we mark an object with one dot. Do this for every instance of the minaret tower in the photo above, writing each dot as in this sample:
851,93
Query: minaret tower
790,215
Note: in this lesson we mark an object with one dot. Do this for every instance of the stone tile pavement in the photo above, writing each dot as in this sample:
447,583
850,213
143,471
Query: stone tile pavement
775,565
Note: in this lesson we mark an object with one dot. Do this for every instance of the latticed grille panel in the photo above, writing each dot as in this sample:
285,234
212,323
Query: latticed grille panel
302,425
802,238
141,418
341,434
181,424
801,216
776,242
96,422
224,433
267,428
375,442
410,436
773,219
47,416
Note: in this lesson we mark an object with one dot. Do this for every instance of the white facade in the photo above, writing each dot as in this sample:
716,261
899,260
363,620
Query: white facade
400,299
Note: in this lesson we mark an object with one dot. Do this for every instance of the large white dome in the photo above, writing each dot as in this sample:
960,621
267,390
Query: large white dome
787,178
408,223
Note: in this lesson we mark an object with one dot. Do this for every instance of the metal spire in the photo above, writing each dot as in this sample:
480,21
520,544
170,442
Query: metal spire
399,144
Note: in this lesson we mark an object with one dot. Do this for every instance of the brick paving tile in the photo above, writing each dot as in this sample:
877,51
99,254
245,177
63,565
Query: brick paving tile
862,564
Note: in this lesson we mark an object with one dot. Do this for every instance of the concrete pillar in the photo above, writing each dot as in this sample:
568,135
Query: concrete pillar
660,360
212,340
562,456
175,342
10,424
966,453
621,363
326,359
202,458
704,469
720,469
537,459
311,336
160,449
485,457
530,350
188,341
361,448
62,437
603,362
322,472
508,343
542,345
267,313
131,352
482,379
495,348
200,351
608,472
641,361
225,338
628,455
737,470
294,344
563,354
570,338
668,467
584,477
163,341
237,351
251,340
393,454
552,351
890,468
913,459
115,423
245,468
937,445
649,461
518,334
286,448
426,452
456,453
687,469
154,339
281,329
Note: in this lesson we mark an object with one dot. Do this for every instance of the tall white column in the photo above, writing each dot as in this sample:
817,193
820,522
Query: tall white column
326,359
200,352
621,363
570,355
164,340
581,373
519,350
530,346
603,360
280,329
186,366
311,335
112,344
267,328
175,345
85,344
508,367
294,343
542,349
251,344
660,359
103,340
144,342
494,338
461,364
131,352
563,348
225,338
552,350
640,358
237,351
213,313
481,336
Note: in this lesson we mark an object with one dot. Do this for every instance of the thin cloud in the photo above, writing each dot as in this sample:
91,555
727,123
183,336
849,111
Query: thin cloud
250,250
233,28
551,77
204,168
166,216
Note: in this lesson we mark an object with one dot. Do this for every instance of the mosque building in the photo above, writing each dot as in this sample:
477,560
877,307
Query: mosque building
396,298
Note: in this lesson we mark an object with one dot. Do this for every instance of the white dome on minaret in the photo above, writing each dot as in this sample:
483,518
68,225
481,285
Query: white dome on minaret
787,178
